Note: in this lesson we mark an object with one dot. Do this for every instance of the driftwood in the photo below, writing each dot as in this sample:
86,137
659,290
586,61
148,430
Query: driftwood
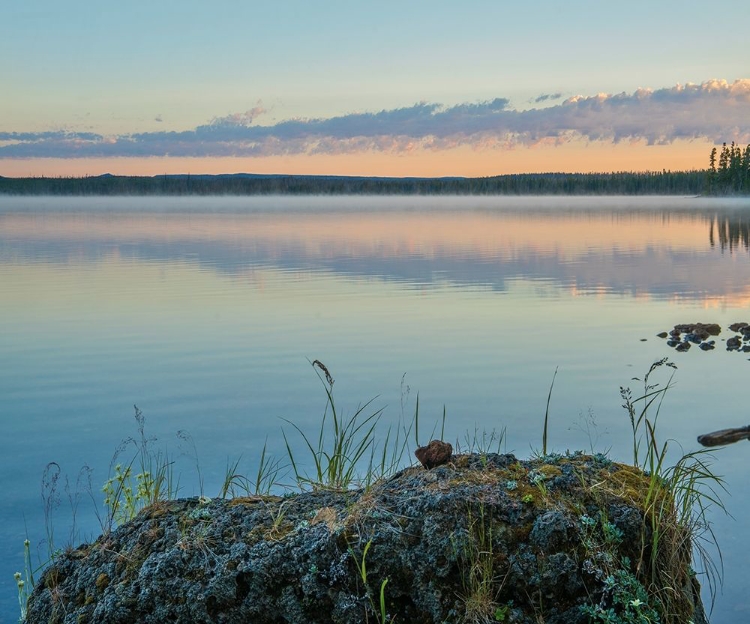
725,436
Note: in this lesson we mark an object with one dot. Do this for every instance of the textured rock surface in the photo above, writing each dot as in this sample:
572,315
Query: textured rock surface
435,454
530,525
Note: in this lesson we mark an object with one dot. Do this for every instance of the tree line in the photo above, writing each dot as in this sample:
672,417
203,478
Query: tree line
618,183
732,173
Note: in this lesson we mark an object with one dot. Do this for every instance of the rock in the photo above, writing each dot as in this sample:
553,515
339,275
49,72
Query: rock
703,330
694,338
707,346
734,343
436,453
683,346
662,335
299,559
736,327
673,342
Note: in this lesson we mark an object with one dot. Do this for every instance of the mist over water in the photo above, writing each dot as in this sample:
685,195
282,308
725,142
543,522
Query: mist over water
205,311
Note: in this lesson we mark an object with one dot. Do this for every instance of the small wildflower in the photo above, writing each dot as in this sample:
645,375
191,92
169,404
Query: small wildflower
636,603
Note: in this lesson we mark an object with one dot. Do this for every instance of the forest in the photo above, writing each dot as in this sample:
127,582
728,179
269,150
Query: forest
728,173
732,174
620,183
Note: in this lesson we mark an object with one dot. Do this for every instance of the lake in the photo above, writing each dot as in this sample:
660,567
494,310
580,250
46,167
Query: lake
206,314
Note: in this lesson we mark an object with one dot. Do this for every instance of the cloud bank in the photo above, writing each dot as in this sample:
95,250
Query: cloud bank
715,110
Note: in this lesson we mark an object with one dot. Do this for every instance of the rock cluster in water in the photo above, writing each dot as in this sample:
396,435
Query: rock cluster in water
483,538
684,335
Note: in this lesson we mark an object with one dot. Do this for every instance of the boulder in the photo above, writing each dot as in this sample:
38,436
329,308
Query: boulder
484,538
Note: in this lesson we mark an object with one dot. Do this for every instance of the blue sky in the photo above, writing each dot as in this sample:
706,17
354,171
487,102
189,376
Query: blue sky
144,69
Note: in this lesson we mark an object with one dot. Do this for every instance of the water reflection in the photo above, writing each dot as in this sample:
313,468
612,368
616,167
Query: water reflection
637,247
731,231
210,307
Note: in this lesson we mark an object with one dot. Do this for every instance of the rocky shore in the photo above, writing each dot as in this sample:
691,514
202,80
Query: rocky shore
481,538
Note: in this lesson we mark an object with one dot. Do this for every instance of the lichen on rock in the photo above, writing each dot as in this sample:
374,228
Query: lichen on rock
456,543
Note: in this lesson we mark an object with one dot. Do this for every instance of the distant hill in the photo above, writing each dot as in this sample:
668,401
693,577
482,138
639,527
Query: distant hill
619,183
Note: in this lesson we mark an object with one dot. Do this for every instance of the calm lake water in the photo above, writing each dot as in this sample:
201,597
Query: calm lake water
207,312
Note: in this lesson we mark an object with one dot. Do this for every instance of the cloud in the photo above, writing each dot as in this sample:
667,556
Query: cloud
715,110
240,119
547,96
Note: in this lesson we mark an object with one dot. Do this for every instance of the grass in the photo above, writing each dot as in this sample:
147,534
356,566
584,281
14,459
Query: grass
344,442
344,453
380,611
480,587
266,477
676,504
127,493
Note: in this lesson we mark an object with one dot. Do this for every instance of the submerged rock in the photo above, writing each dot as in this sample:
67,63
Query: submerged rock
734,343
681,336
546,536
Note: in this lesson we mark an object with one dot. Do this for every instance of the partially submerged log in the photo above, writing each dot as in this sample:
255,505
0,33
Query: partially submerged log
483,538
725,436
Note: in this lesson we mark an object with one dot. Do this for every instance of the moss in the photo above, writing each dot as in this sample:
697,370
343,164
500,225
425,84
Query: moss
550,471
102,582
253,500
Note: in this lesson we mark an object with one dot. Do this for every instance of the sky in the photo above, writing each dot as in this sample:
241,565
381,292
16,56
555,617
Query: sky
382,88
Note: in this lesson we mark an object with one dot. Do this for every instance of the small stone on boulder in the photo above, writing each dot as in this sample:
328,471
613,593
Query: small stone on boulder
436,453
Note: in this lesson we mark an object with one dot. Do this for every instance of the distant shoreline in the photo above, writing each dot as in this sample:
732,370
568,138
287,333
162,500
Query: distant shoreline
618,183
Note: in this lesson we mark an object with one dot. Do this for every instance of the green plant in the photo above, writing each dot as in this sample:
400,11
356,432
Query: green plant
482,443
381,614
675,505
393,448
639,408
275,533
479,584
266,477
503,612
338,452
624,599
155,481
25,581
546,414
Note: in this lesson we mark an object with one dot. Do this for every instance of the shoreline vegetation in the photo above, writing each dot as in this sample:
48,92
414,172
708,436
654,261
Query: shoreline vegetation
728,174
665,182
636,547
